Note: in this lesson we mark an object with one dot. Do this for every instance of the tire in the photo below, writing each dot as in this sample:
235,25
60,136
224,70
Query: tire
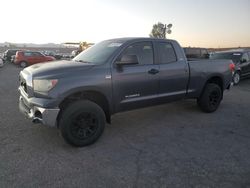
210,99
236,78
23,64
82,123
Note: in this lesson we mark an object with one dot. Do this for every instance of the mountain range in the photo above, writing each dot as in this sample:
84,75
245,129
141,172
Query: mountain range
32,45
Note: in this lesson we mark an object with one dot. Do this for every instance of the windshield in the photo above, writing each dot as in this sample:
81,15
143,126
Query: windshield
235,57
99,53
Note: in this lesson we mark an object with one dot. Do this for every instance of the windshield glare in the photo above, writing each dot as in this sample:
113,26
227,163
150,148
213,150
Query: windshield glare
235,57
99,53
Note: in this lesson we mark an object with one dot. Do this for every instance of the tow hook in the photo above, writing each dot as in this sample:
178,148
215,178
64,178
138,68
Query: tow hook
37,120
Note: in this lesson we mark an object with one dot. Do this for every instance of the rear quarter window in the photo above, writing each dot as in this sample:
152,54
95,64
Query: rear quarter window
245,57
36,54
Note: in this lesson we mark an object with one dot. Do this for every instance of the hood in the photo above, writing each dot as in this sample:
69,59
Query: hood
57,68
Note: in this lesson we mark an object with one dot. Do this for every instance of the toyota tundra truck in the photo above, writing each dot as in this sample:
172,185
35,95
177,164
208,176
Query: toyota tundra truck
80,96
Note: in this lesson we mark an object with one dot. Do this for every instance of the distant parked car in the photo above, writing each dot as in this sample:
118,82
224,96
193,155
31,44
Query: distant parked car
26,58
1,62
241,59
73,53
8,53
196,53
53,54
13,58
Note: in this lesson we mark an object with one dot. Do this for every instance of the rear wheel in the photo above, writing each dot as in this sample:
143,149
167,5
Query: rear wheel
211,97
82,123
236,78
23,64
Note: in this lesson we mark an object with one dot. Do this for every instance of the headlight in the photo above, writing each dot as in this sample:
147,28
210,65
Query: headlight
44,85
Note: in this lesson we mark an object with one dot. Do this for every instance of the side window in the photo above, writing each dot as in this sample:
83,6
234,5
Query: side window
28,54
204,53
245,57
143,51
13,52
166,53
193,52
36,54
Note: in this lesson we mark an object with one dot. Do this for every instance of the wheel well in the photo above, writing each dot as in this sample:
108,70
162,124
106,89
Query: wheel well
239,71
93,96
23,61
216,80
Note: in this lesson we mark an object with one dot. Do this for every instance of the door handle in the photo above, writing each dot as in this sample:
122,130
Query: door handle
153,71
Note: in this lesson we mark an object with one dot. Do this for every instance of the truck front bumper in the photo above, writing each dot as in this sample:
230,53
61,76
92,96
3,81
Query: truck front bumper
38,114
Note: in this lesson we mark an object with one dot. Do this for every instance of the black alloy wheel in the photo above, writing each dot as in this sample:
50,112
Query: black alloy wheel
82,123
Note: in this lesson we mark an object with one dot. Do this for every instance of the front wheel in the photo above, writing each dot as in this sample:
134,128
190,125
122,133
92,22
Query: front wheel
23,64
82,123
236,78
210,99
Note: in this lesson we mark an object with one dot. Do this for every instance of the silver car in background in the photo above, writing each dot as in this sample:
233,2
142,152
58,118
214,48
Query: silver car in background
1,62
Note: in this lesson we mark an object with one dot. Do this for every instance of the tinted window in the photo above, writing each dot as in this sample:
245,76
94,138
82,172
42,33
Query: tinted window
11,52
204,53
36,54
245,57
192,52
235,57
143,51
28,54
166,53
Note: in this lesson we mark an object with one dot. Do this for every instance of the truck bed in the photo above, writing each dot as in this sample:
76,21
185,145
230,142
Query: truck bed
201,70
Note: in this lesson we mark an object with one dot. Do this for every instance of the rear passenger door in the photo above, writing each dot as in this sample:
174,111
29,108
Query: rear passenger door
174,73
29,58
38,57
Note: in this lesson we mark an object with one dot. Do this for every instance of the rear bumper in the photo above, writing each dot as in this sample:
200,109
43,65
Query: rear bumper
38,114
16,62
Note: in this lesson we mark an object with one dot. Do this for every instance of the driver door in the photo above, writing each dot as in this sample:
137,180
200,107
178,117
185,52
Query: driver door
135,85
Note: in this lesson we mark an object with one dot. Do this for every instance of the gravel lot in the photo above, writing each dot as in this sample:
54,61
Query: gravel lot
173,145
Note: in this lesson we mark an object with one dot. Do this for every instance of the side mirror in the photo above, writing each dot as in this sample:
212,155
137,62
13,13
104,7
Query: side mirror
128,60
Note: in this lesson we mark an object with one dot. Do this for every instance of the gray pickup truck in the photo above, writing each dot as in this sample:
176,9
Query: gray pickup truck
79,96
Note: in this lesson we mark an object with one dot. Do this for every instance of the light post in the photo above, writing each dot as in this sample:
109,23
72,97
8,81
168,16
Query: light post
167,29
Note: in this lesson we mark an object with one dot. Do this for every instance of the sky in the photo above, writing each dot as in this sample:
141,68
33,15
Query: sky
200,23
